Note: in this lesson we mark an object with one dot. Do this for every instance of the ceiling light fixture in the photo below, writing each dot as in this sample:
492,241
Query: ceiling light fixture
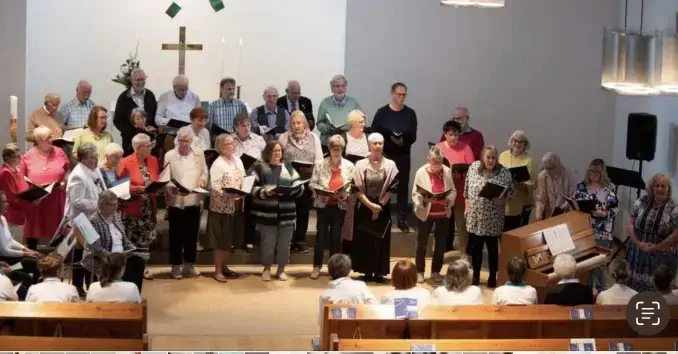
473,3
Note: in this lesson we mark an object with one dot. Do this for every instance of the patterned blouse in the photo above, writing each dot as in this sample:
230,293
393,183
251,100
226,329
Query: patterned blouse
607,201
321,178
225,174
484,217
252,145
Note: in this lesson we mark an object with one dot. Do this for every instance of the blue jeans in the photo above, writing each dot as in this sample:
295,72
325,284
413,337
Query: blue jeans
598,275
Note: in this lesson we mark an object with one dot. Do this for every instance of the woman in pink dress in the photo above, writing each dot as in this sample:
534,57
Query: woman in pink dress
44,164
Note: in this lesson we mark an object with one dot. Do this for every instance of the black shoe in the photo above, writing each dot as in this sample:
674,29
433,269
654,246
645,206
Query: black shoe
368,277
402,225
492,283
379,279
475,281
301,248
229,273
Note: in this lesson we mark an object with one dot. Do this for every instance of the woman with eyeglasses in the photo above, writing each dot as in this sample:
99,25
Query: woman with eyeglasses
519,208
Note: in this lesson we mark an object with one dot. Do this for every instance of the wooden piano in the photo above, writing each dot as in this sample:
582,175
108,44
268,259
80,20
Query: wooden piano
529,242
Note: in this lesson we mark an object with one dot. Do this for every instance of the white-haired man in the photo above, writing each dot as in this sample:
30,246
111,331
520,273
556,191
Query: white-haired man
137,96
293,100
269,116
189,169
47,115
569,291
76,111
333,110
175,104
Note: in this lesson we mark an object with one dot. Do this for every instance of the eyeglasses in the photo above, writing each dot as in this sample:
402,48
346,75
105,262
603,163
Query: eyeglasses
401,94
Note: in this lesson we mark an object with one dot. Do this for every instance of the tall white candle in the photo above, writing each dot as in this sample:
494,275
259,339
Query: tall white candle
14,107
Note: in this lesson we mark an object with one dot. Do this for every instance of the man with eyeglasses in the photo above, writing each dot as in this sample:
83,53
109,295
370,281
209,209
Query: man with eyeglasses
137,96
293,100
398,124
469,136
175,104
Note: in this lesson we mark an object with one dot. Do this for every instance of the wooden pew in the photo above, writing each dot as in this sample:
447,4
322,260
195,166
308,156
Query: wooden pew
51,325
552,344
483,322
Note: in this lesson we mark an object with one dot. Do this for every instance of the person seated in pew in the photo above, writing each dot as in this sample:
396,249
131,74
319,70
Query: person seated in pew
51,289
457,289
569,291
516,291
111,287
619,293
7,291
404,280
342,288
662,278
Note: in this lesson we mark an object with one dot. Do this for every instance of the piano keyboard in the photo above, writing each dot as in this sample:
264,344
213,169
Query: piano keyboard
583,264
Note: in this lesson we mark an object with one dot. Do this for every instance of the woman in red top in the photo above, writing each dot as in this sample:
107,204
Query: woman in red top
432,211
139,213
460,154
45,164
12,182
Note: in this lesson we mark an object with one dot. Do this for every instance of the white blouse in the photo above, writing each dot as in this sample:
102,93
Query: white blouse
9,247
117,291
617,294
7,291
514,295
116,237
422,296
357,146
52,290
469,296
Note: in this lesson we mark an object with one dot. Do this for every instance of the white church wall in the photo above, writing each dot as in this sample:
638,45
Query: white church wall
533,65
13,59
69,40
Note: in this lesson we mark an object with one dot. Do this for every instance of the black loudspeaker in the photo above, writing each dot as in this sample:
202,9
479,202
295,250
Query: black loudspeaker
641,136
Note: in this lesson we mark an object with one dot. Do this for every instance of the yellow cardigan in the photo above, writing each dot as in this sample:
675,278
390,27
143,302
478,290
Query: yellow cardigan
524,191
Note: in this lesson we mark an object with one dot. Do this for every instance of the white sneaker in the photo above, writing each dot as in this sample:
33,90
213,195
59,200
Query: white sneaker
148,275
266,275
315,274
176,272
420,278
199,247
437,278
281,275
189,269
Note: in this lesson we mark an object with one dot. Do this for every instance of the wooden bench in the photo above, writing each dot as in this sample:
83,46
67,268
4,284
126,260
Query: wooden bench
551,344
482,322
73,326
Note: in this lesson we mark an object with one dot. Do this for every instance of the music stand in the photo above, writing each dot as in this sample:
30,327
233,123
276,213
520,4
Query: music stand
628,178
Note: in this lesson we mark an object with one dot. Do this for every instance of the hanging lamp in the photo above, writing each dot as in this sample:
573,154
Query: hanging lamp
632,61
669,75
473,3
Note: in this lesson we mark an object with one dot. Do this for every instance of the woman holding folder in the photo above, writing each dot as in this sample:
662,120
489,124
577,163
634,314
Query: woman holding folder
139,213
433,196
554,184
375,177
517,160
331,182
225,219
488,186
274,208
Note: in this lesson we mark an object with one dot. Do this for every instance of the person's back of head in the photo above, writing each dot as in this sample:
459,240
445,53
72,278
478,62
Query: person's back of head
619,271
50,265
404,275
112,267
565,266
458,276
516,269
339,266
662,277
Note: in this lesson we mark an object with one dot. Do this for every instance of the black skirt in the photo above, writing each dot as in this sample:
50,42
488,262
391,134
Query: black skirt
369,254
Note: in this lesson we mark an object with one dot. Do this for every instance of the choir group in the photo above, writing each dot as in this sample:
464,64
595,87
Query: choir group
260,173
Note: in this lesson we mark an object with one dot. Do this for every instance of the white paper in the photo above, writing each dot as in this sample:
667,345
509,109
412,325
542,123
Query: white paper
165,174
300,182
327,115
559,239
66,245
69,135
14,107
122,190
50,187
16,266
264,129
201,191
248,183
86,229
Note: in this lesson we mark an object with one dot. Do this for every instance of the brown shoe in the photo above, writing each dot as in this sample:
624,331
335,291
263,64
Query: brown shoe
220,278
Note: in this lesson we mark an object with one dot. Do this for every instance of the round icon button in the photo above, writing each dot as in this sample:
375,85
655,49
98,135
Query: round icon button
647,313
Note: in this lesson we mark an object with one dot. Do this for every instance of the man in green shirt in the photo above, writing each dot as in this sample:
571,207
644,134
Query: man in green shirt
333,110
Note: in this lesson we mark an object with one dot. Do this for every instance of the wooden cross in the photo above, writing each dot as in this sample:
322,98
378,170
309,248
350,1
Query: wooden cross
182,47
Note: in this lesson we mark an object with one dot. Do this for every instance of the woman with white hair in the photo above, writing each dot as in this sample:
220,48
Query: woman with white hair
139,213
458,288
370,232
569,291
139,120
554,182
189,169
303,150
44,164
333,174
109,168
432,213
519,208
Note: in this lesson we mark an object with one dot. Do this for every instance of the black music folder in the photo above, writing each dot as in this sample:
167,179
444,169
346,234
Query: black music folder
520,173
62,143
303,168
585,205
628,178
248,161
286,191
185,190
433,196
460,167
492,191
177,124
247,184
216,130
274,131
211,155
36,192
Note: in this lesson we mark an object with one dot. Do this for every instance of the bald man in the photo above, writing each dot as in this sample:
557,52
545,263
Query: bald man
175,104
76,111
293,100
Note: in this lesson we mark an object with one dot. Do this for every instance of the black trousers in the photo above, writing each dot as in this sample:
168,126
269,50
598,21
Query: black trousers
329,223
449,246
440,231
403,163
303,204
23,276
250,225
516,221
81,276
184,226
32,243
477,243
134,271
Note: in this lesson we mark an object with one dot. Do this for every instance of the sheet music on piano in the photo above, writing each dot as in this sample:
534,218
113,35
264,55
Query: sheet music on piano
559,239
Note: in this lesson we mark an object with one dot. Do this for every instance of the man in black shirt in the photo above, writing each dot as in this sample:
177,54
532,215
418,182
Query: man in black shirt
398,124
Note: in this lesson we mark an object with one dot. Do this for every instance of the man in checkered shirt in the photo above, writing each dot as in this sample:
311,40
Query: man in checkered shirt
76,111
222,112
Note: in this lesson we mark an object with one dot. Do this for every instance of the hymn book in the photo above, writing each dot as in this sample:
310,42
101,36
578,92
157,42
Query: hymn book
247,161
427,194
583,205
287,190
35,191
336,129
121,188
493,191
247,184
185,190
68,138
330,193
163,180
177,124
